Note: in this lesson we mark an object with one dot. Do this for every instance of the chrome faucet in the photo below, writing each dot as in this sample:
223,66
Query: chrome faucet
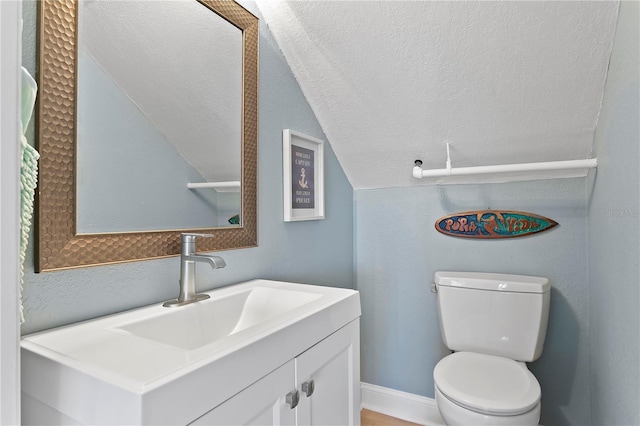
188,259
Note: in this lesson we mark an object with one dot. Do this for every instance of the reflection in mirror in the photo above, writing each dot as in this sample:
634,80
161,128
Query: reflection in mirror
160,81
164,120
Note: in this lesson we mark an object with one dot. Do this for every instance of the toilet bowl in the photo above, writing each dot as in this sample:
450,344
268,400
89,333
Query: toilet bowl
479,389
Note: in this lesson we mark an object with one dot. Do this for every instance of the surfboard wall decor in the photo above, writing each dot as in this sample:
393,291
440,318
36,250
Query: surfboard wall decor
493,224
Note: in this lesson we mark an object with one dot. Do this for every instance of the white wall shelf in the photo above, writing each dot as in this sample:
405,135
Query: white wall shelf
230,186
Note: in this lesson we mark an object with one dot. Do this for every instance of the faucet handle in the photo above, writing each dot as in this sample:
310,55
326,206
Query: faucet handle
188,237
188,242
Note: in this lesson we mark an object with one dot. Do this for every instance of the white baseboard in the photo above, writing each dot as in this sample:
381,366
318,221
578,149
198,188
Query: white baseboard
402,405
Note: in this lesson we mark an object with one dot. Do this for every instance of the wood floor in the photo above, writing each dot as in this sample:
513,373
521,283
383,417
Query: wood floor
371,418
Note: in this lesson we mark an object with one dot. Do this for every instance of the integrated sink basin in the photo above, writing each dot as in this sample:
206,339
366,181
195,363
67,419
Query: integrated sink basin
139,363
192,326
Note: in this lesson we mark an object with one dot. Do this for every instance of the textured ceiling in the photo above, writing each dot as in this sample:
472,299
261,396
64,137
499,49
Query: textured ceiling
393,81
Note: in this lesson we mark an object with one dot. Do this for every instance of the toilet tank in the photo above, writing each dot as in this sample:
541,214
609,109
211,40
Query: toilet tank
495,314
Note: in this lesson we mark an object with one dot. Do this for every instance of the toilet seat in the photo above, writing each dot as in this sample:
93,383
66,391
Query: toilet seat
487,384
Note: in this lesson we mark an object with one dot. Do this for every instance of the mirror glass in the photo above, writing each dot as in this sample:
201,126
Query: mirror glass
137,101
159,106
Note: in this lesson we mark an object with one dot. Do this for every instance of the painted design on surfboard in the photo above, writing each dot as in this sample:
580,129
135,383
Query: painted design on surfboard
493,224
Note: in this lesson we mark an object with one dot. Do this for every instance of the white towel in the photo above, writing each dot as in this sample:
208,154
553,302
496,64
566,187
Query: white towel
28,171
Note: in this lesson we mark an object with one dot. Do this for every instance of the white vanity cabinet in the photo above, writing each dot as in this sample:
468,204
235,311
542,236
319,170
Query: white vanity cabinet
229,360
333,366
263,403
322,384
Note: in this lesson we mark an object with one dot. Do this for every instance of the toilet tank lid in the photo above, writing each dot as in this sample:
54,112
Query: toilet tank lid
493,282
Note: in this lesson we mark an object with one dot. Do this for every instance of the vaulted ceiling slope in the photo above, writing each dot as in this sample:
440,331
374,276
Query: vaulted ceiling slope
181,65
393,81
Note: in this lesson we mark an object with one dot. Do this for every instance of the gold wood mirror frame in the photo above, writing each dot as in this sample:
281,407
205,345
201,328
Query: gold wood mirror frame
57,244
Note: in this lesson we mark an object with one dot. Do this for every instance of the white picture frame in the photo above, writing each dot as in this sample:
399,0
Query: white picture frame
303,190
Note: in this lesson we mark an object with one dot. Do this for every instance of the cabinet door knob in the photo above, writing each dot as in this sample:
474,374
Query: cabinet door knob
308,387
293,398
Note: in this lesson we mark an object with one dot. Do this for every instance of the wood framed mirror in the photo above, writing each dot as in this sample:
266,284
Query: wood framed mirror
59,245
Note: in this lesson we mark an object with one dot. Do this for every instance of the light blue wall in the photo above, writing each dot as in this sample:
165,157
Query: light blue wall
316,252
398,250
614,213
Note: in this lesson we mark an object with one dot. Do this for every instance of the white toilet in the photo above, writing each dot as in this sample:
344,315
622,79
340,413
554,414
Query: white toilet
494,323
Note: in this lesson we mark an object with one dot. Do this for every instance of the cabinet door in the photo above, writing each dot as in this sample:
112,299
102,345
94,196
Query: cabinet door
333,366
261,404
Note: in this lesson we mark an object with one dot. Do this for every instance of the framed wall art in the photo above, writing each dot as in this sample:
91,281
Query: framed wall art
303,176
